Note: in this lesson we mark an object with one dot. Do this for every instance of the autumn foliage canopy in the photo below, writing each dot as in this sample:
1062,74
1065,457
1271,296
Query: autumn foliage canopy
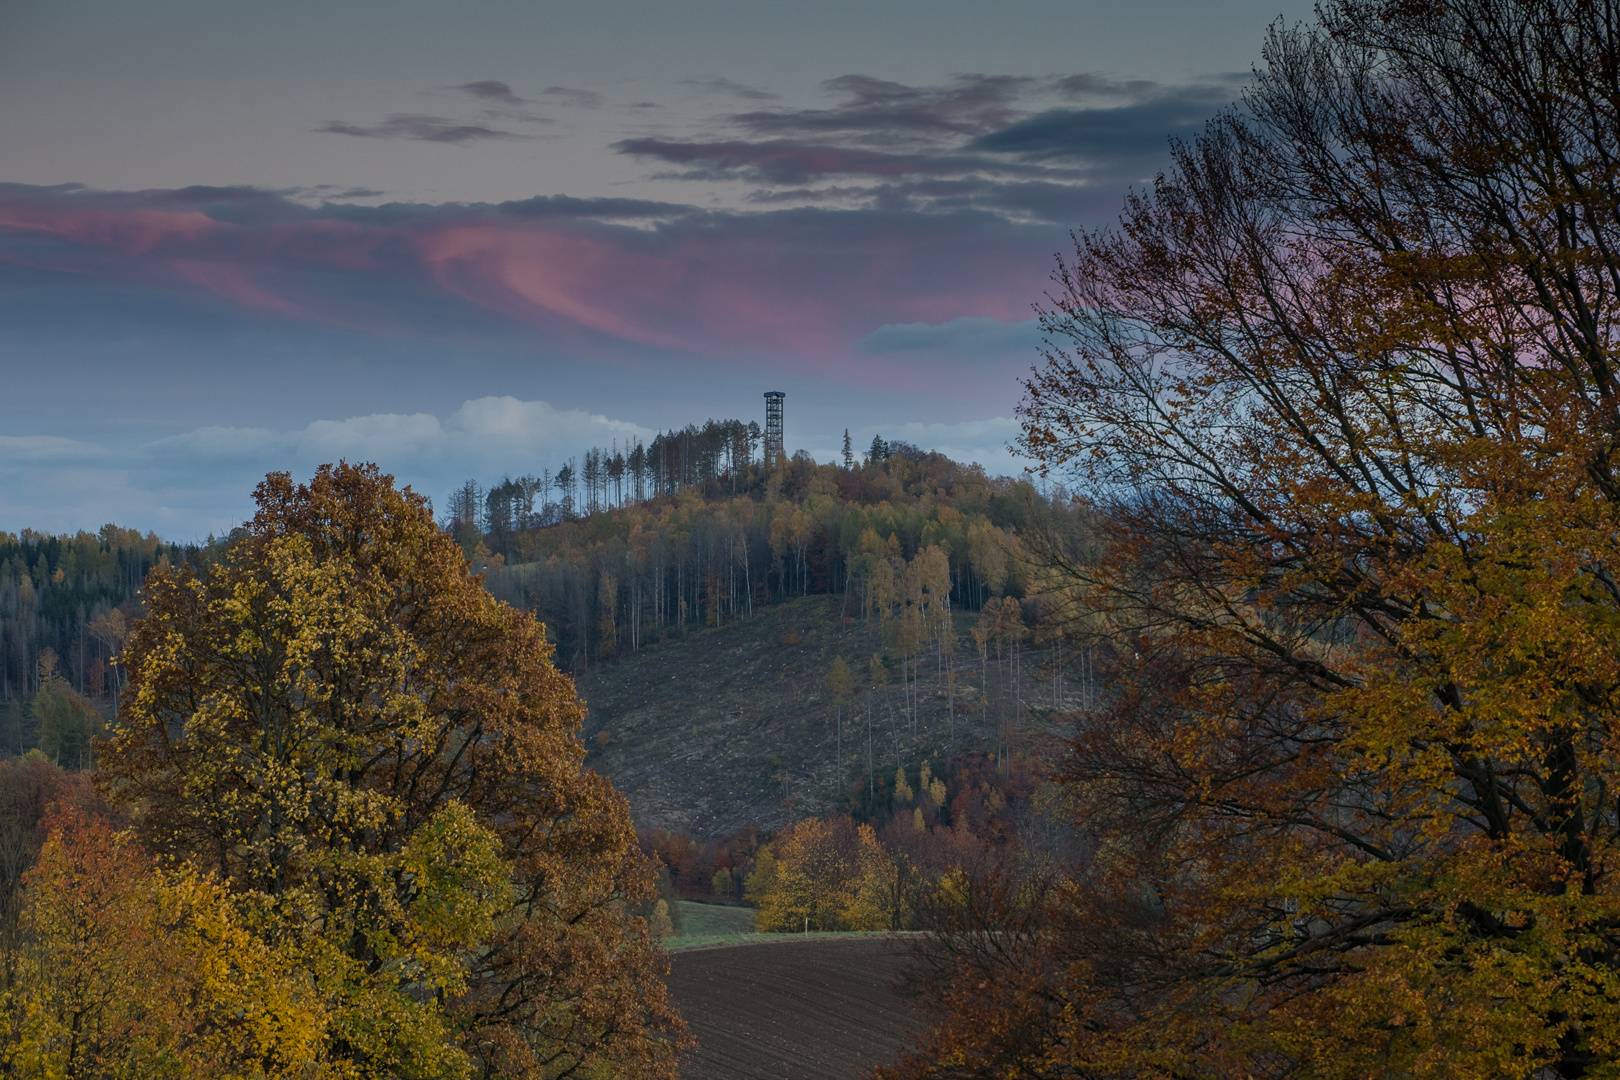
363,844
1344,383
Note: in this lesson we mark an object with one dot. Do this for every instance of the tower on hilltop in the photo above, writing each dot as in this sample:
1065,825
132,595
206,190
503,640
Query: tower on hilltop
773,425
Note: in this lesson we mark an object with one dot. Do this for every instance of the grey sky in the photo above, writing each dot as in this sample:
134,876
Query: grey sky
469,238
123,94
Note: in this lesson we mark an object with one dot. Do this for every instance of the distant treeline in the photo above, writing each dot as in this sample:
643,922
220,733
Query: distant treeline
694,458
613,553
59,593
696,530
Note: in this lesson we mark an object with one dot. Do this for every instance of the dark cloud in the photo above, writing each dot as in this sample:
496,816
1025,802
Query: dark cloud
1116,131
880,111
778,162
565,206
786,162
1001,144
727,86
846,194
584,99
334,191
493,90
1091,84
437,129
236,204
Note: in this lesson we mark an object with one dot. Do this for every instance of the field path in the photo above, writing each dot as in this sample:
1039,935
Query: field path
791,1010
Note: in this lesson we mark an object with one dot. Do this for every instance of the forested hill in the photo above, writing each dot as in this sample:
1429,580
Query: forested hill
899,539
761,645
894,536
68,598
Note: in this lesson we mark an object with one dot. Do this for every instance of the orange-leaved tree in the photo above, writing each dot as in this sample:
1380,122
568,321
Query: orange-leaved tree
383,764
128,969
813,877
1344,386
829,874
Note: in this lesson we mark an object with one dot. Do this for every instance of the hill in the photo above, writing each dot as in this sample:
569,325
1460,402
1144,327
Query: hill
735,727
702,612
700,605
888,538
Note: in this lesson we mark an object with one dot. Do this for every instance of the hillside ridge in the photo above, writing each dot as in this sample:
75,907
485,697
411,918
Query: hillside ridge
735,727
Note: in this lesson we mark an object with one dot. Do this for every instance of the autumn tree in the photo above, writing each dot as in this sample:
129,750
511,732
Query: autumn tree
758,883
830,874
1344,385
814,877
131,970
381,760
880,899
30,787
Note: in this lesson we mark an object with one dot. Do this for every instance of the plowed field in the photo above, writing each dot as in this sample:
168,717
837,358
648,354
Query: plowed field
791,1010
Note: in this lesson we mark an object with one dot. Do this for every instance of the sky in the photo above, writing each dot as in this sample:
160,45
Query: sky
471,240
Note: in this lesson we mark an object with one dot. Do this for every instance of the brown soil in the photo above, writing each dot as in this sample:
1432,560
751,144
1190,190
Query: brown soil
791,1010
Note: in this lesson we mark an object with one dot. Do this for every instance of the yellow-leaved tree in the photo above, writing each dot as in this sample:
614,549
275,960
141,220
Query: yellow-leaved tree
880,900
812,883
831,874
378,763
1344,389
132,970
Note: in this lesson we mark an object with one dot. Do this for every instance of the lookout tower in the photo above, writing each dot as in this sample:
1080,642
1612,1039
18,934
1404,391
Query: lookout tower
773,425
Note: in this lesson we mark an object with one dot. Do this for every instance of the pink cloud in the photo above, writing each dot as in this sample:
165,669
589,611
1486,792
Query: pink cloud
133,232
539,276
804,285
189,249
233,283
704,293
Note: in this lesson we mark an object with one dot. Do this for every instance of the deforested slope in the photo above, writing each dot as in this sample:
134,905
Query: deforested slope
736,727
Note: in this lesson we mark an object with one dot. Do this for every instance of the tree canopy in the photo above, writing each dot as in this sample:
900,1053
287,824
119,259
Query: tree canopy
1343,383
338,731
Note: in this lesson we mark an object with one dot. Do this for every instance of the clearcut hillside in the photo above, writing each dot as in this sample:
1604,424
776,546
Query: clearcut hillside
733,727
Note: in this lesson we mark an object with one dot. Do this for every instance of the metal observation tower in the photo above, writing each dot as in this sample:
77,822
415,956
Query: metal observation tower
773,426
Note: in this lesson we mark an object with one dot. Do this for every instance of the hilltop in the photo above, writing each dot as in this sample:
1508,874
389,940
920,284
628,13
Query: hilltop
700,606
